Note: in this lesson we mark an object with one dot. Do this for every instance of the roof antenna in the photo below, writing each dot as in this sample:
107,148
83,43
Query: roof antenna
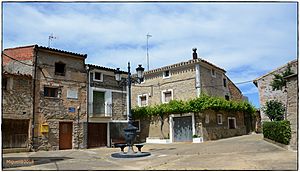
50,39
148,36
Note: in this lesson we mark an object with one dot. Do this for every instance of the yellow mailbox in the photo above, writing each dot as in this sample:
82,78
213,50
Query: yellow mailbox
44,128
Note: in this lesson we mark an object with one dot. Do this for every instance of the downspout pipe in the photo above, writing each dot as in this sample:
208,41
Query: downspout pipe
35,49
88,107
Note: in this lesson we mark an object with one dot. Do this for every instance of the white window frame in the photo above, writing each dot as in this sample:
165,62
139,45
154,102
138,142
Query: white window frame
101,76
163,98
139,100
219,115
213,75
164,74
234,122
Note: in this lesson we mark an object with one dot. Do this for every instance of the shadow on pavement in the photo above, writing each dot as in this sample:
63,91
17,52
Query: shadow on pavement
155,149
10,162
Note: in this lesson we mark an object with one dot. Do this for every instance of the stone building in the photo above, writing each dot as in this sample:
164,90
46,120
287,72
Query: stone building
58,94
16,110
292,107
107,107
185,81
266,93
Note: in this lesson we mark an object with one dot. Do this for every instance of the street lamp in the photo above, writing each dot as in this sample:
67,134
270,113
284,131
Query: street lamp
130,131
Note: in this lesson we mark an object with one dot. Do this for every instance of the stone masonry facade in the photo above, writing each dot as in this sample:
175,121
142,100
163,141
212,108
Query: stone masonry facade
115,102
210,130
185,81
292,108
53,110
265,91
182,83
40,63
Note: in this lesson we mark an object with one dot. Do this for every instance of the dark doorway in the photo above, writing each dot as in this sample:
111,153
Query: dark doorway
97,136
65,135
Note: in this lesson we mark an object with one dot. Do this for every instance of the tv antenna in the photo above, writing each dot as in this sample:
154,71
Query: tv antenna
148,36
50,39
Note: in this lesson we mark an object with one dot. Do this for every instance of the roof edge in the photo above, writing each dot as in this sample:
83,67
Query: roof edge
274,70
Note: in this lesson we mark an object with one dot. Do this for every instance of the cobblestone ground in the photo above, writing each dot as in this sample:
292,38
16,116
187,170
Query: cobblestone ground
249,152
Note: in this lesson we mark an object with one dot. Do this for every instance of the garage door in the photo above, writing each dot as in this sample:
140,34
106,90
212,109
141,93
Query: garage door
183,129
15,133
97,136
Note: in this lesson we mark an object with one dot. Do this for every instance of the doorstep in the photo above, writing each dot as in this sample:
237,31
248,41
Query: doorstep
15,150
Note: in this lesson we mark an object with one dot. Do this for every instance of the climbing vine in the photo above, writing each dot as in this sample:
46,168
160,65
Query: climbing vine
200,104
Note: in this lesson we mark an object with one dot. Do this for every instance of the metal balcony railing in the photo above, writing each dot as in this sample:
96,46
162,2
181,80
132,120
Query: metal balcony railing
100,109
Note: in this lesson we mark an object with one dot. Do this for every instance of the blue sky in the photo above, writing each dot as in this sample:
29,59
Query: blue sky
245,39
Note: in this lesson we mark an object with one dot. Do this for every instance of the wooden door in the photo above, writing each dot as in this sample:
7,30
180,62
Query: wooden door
97,136
65,135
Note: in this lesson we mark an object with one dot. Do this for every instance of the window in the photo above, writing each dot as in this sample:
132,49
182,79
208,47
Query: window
98,76
137,125
224,82
167,96
60,69
50,92
98,103
143,100
226,97
231,123
213,73
166,74
219,119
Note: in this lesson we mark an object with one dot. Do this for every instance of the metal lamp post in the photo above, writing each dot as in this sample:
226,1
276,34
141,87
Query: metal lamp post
130,131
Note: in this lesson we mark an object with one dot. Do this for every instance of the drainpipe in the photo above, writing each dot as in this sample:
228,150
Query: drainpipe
35,49
88,107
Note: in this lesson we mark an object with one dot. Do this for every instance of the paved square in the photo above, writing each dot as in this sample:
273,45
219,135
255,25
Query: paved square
249,152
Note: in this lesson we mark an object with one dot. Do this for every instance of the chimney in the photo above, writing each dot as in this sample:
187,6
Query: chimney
195,56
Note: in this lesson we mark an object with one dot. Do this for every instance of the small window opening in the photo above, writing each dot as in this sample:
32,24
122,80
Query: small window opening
60,69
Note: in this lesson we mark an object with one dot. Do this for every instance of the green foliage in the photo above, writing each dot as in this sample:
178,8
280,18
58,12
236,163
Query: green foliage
279,81
279,131
274,110
200,104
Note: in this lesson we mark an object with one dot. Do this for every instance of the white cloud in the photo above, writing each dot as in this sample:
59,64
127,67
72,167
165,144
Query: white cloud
246,39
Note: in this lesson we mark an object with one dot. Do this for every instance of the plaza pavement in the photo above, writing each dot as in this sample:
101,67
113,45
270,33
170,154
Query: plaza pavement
249,152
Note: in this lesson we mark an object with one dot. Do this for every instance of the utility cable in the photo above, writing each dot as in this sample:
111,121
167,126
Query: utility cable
16,60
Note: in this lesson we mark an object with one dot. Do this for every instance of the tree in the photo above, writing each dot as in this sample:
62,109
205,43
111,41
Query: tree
274,109
279,81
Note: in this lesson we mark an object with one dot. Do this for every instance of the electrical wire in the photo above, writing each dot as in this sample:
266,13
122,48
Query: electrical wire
16,60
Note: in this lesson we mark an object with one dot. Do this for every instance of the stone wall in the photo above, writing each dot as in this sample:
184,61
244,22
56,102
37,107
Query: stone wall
209,131
292,108
52,110
17,100
213,86
234,91
212,130
119,106
265,89
182,82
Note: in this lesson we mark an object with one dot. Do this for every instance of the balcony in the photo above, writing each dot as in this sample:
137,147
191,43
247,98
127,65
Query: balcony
100,110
